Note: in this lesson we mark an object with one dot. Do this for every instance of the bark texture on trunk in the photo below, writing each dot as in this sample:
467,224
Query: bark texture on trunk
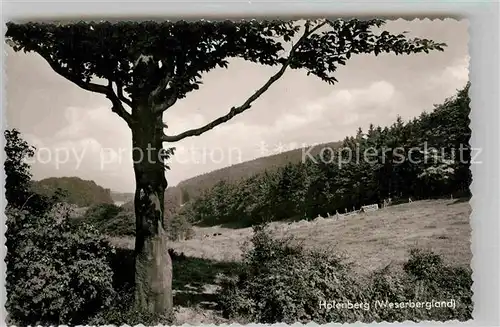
153,266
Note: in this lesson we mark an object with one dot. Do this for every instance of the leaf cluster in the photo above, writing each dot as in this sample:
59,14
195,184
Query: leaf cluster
57,273
138,56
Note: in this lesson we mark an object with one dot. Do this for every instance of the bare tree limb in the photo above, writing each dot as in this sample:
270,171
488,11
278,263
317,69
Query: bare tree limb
161,87
154,98
247,104
119,91
117,104
318,26
97,88
167,104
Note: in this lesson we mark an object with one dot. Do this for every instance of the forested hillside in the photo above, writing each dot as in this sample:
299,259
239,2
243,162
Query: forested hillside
195,186
76,190
428,156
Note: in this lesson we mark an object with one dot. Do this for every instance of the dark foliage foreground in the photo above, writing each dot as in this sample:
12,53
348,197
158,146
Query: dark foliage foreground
55,273
59,272
282,282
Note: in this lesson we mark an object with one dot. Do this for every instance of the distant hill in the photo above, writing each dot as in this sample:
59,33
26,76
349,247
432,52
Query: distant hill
121,198
77,191
194,186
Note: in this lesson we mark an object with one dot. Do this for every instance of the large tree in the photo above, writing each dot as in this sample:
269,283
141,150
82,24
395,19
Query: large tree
144,68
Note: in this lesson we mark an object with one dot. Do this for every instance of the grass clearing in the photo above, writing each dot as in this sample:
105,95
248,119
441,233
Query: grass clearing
369,241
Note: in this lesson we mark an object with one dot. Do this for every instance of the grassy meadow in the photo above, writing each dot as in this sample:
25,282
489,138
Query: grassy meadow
369,241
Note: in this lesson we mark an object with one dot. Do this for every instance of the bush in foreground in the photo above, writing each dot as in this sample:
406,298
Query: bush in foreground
62,270
122,224
282,282
56,272
122,312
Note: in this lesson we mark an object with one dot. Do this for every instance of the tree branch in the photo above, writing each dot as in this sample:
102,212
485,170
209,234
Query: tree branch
117,103
247,104
97,88
155,95
167,104
119,91
318,27
161,87
154,98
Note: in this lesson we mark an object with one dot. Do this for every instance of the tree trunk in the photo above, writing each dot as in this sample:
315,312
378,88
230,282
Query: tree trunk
153,266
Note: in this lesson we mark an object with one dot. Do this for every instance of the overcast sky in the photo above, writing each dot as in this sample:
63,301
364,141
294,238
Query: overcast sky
63,120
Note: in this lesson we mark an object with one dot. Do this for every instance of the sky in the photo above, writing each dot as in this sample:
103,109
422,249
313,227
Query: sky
76,134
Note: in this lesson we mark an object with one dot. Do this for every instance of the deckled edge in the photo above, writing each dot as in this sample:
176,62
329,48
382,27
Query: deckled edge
473,219
3,202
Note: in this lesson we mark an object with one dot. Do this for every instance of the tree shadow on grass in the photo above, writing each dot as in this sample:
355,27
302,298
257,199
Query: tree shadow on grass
194,279
236,224
242,223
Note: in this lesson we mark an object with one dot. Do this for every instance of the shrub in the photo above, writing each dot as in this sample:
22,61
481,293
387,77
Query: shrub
100,214
423,278
388,284
430,279
123,224
281,282
123,313
56,272
179,228
109,219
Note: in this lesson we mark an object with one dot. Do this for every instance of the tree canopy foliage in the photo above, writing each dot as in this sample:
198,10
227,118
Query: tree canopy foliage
161,62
